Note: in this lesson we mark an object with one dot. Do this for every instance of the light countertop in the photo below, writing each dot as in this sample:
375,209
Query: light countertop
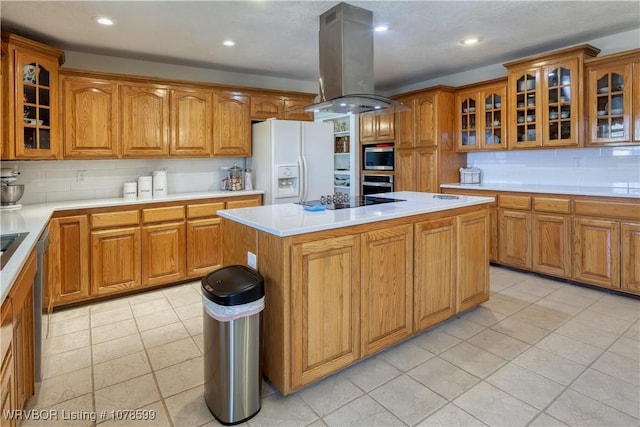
290,219
574,190
34,219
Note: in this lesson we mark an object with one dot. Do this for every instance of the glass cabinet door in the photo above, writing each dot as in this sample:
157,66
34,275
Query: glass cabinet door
36,80
610,114
495,135
526,99
468,124
561,113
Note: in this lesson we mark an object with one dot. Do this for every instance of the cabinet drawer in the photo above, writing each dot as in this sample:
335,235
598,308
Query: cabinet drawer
607,209
204,209
548,204
514,202
243,203
114,219
170,213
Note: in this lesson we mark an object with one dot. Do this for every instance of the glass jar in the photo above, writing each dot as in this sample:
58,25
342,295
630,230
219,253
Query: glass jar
232,178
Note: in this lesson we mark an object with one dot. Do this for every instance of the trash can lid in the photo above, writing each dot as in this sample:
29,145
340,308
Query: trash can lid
233,285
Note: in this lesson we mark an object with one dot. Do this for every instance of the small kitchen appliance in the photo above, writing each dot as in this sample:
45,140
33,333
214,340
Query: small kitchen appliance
11,192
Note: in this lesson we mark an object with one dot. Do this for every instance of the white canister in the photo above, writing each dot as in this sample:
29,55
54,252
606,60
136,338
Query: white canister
145,186
248,179
130,190
159,184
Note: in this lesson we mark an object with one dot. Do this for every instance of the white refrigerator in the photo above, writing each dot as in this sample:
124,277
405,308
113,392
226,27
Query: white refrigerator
292,161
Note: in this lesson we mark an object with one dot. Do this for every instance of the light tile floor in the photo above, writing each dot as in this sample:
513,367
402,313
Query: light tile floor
539,353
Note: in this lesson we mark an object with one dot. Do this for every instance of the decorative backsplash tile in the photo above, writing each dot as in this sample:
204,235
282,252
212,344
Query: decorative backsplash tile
59,180
593,167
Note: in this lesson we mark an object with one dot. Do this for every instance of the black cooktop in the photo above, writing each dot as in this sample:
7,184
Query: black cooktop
333,203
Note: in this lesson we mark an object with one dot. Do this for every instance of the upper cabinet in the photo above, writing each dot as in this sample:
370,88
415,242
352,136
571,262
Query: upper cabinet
144,120
613,99
191,122
265,106
481,117
90,118
232,133
30,99
377,127
545,98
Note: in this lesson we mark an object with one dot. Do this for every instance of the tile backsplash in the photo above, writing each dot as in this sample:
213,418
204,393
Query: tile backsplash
586,167
61,180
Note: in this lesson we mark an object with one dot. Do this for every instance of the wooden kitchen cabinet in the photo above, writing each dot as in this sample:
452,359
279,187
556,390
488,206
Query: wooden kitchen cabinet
386,288
232,125
244,202
7,375
326,307
613,94
514,230
21,295
481,117
630,256
434,289
163,245
472,268
69,259
545,98
191,122
377,127
144,120
551,236
425,151
596,251
30,99
115,260
204,238
266,106
90,118
294,108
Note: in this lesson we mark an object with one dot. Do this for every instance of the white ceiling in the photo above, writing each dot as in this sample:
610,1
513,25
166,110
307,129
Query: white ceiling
280,38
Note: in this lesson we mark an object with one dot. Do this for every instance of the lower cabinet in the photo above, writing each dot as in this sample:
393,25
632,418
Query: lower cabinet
17,374
595,248
204,239
325,303
106,251
514,244
163,253
386,288
115,260
472,253
434,277
551,236
69,260
630,256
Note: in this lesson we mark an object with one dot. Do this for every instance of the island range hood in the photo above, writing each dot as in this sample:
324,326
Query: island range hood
346,64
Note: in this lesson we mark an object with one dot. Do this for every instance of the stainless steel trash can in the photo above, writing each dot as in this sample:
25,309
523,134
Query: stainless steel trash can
232,300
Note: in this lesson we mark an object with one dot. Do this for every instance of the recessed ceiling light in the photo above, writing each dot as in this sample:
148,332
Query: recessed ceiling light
380,28
470,41
229,43
103,20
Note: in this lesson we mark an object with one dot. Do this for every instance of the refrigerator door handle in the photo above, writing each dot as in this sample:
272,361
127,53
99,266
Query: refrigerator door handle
302,181
305,183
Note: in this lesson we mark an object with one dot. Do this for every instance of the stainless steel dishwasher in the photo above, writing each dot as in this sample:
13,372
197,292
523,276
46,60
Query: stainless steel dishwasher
38,285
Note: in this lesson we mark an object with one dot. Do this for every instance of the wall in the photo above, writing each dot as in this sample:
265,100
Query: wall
598,167
57,180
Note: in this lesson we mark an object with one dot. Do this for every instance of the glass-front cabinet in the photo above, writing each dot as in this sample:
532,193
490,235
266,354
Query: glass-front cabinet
560,114
613,118
524,97
481,118
30,82
545,99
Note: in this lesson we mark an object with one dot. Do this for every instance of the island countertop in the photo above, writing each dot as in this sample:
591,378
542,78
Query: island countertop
291,219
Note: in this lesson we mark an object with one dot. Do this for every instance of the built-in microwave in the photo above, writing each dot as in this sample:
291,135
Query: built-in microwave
378,158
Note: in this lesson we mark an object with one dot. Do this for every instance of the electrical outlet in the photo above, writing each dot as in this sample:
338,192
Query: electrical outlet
81,176
252,260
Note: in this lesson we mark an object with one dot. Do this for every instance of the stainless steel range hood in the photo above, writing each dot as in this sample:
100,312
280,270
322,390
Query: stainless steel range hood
346,64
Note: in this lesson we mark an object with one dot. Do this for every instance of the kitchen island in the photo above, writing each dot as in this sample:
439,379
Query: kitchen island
342,285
